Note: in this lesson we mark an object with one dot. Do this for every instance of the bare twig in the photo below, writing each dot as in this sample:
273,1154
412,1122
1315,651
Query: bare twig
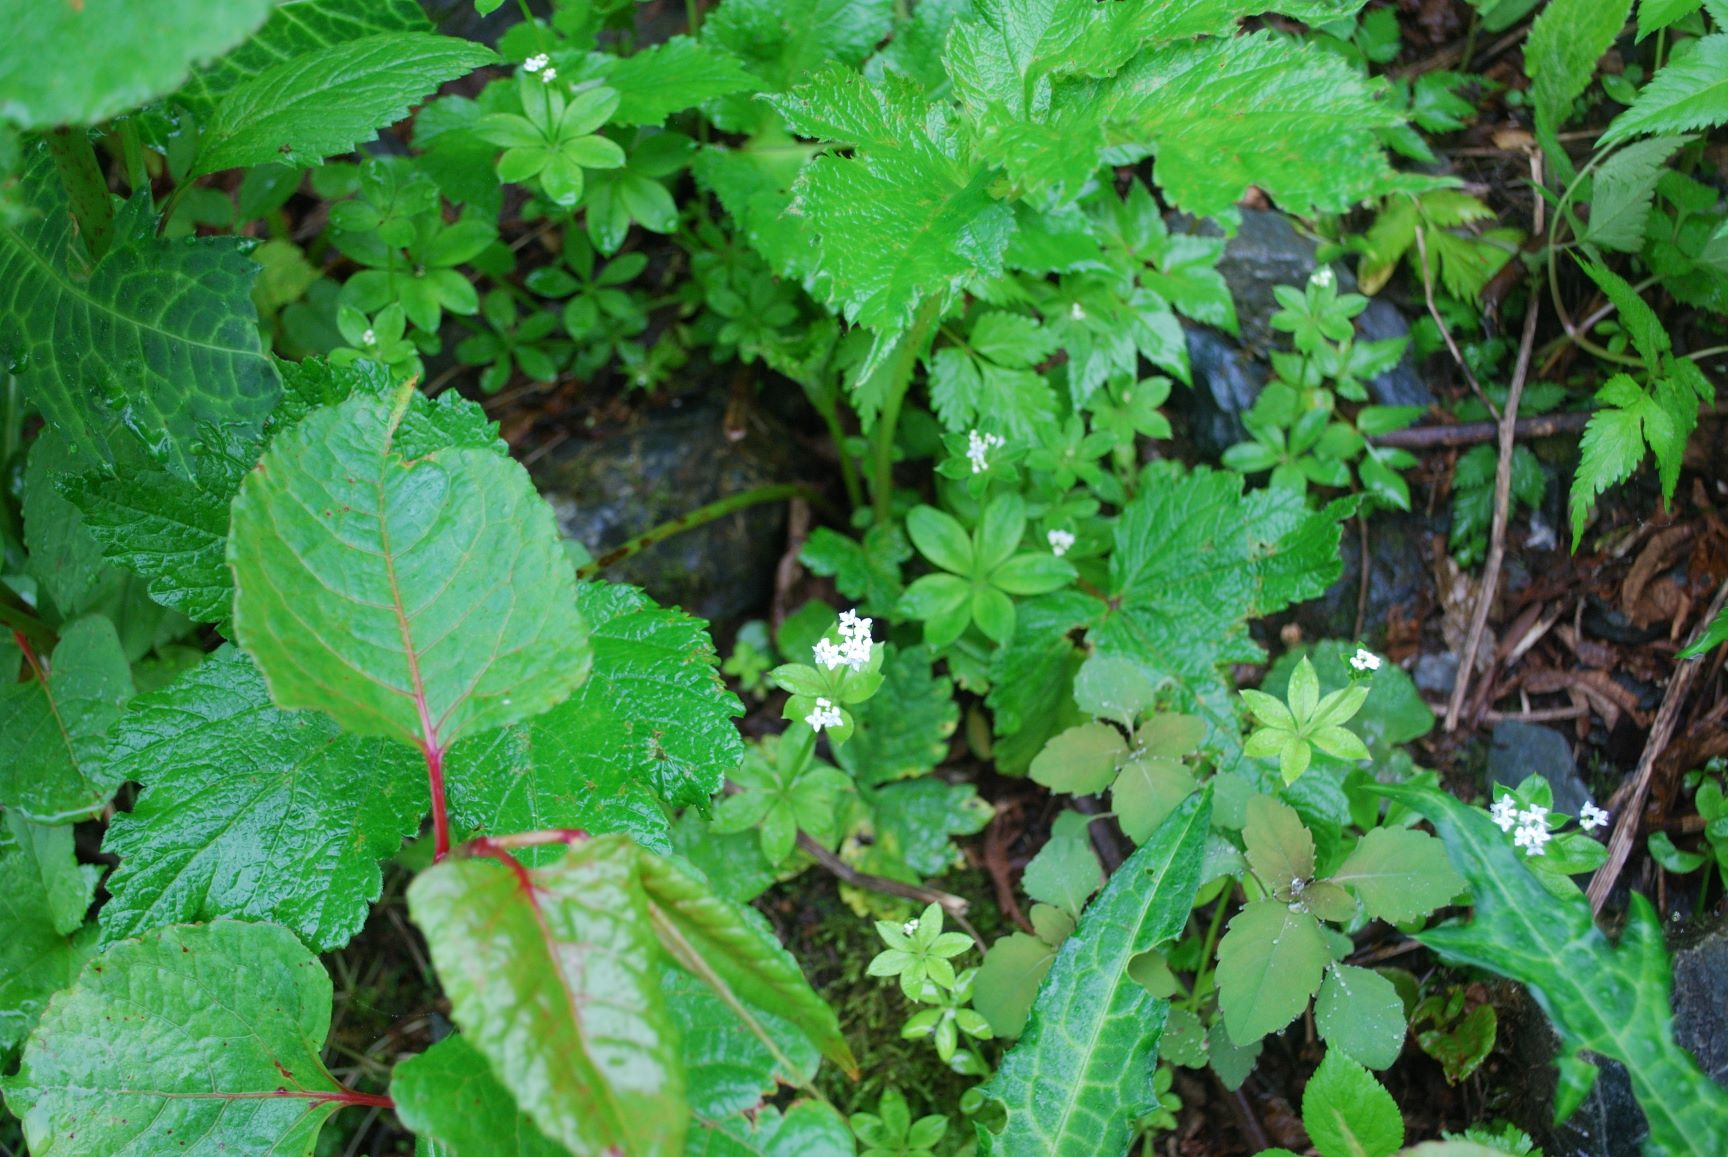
954,906
1474,433
1630,817
1497,532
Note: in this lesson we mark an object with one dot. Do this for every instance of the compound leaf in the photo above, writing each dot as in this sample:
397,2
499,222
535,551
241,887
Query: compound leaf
1565,42
449,1094
252,811
409,583
1623,190
1081,1074
552,974
1686,95
122,1062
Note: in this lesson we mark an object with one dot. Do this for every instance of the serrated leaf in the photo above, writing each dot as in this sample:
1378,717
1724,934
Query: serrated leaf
108,1071
1623,190
678,73
728,1071
1400,874
1611,448
406,584
226,775
1147,791
1361,1015
1610,999
83,63
1269,963
1347,1113
903,729
1566,40
1066,869
1684,96
807,1129
53,761
327,101
1280,849
551,975
448,1094
916,820
45,943
158,335
1654,15
1031,678
1081,1074
868,571
1081,760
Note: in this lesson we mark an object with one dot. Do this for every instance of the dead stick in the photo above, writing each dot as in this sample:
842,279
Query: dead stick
1631,817
1497,533
1473,433
954,906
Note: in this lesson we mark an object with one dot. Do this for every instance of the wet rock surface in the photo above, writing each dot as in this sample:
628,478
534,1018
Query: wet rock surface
1397,579
1523,749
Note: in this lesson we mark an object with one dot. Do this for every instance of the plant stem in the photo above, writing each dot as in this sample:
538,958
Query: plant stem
86,188
440,813
823,402
27,630
701,516
1212,931
899,370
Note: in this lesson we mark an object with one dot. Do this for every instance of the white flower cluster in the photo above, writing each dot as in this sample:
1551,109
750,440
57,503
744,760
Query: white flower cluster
1323,276
1532,832
1060,541
541,63
368,338
854,648
824,714
978,447
1365,660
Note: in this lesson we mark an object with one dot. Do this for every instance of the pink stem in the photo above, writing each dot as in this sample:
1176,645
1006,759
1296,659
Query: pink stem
440,814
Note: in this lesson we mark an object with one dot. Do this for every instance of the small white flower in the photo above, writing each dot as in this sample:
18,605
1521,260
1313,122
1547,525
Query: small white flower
1323,276
1592,817
1534,816
1505,812
1060,541
824,714
978,447
828,656
1531,837
1077,311
368,338
910,928
550,75
536,62
1365,660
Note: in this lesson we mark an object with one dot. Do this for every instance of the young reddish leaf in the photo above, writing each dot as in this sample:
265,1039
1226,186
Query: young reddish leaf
553,976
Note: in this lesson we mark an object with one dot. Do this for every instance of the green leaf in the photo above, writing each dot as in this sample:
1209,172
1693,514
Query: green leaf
1221,115
551,974
226,774
160,335
1361,1015
43,897
83,63
1081,1074
297,28
1688,94
1348,1114
676,74
1609,999
903,729
1566,40
406,583
1401,874
329,100
1115,688
731,949
65,559
729,1071
867,571
940,538
448,1094
1280,849
1148,790
916,818
1066,870
53,761
1623,191
1654,15
107,1071
807,1129
1008,981
1612,445
1081,760
1269,964
1715,634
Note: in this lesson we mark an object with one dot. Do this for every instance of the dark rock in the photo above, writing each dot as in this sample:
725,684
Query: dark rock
1522,749
1436,674
672,461
1700,1012
1227,379
1401,385
1397,577
1266,252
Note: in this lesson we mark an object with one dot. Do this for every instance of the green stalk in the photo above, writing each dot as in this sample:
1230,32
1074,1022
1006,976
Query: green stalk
899,370
86,187
701,516
822,400
1210,945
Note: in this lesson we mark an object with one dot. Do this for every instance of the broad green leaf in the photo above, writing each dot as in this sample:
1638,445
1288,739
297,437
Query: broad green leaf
676,74
1401,874
1566,40
1688,94
1008,981
1082,760
916,820
730,948
448,1094
807,1129
421,595
158,335
45,943
1149,789
1622,192
1269,964
1609,999
868,572
1081,1074
252,811
1280,850
1348,1114
1361,1015
903,729
331,99
1031,679
1231,1061
1221,115
1115,688
50,862
122,1062
727,1070
1716,633
82,63
782,45
65,559
54,766
940,538
296,28
552,976
1066,870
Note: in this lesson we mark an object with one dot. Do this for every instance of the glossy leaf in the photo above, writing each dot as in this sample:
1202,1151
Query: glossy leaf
1400,874
53,763
405,583
448,1094
1081,1074
729,1071
42,902
1348,1114
1361,1015
1269,964
552,976
121,1062
903,729
252,811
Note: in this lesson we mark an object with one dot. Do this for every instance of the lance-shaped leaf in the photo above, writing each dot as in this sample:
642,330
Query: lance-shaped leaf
1081,1075
327,101
730,948
161,335
252,811
42,902
53,766
408,584
82,63
552,973
449,1095
1609,999
208,1032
